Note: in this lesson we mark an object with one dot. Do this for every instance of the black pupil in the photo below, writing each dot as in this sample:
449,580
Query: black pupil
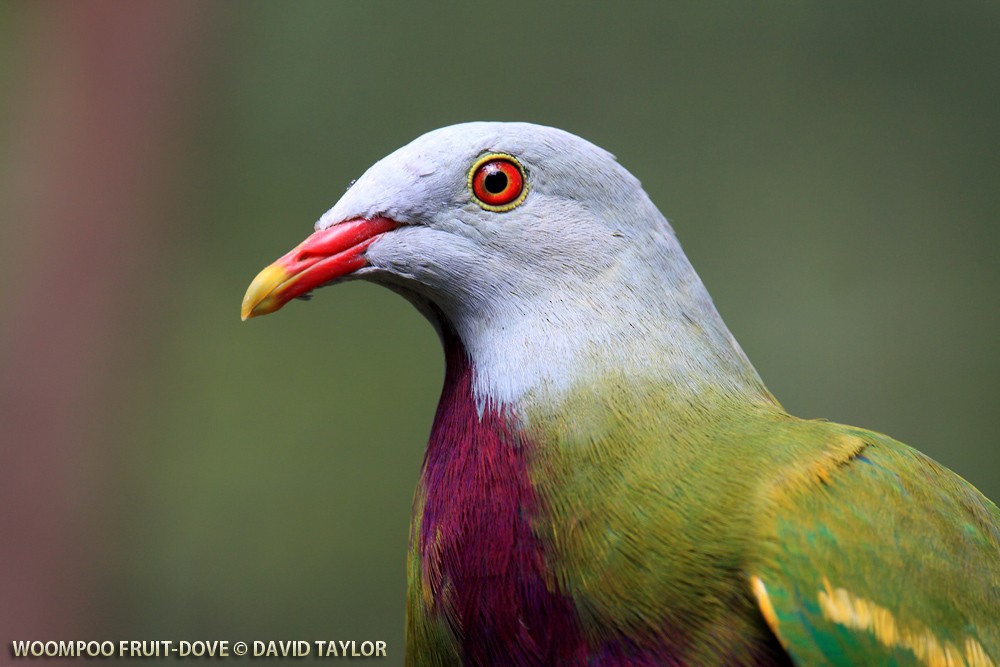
495,182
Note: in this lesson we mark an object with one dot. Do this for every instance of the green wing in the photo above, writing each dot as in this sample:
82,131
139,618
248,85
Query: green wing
881,557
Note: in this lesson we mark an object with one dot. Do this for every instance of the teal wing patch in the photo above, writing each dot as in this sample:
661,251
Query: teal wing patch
880,557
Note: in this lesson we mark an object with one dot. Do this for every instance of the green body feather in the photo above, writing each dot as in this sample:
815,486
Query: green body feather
663,512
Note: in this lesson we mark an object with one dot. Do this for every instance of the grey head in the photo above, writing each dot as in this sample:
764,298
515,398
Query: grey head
577,274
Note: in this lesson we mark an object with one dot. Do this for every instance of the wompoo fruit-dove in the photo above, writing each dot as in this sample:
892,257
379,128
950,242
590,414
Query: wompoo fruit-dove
607,480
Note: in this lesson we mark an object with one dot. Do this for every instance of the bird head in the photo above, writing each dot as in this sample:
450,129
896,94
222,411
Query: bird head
535,246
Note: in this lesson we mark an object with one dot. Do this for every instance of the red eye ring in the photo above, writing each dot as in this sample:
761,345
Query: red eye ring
498,182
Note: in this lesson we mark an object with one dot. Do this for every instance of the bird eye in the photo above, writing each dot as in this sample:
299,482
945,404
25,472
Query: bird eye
498,182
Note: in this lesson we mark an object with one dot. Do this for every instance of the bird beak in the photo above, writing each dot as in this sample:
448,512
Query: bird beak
325,256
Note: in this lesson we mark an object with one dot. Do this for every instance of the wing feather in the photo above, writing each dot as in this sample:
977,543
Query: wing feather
880,556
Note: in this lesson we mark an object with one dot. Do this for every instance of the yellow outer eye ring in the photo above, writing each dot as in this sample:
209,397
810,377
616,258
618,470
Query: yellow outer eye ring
490,157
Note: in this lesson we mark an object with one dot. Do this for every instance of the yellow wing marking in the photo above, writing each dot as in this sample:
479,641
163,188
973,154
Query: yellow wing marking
840,606
766,608
800,477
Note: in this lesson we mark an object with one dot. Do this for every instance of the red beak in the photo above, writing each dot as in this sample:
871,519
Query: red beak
325,256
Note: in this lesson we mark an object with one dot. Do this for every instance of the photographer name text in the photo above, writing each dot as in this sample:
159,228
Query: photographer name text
222,648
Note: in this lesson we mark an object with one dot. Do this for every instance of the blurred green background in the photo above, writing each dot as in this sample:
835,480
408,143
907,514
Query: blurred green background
170,473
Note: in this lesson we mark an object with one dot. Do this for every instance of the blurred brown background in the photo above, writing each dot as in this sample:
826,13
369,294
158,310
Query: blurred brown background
171,473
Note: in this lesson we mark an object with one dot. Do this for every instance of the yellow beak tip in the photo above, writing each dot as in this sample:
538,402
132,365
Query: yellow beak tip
264,294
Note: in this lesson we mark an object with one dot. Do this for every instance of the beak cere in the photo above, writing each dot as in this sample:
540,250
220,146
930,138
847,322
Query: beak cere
325,256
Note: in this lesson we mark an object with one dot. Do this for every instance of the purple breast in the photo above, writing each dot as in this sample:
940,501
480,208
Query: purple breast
480,558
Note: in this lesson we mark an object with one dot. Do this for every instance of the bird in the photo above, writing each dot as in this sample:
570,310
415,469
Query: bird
607,480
